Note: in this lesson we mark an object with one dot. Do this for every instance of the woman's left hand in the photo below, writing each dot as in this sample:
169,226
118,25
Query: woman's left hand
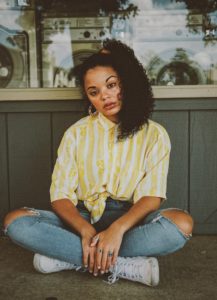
108,243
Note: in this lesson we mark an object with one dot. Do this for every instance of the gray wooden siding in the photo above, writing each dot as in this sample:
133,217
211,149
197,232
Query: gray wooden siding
203,169
30,133
29,152
4,196
176,123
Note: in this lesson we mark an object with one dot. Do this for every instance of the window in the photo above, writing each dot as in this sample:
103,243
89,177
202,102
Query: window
41,41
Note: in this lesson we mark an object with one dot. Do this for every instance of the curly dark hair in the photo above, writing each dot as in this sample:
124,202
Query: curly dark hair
137,96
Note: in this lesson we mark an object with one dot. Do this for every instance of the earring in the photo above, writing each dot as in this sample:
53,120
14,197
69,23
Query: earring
91,112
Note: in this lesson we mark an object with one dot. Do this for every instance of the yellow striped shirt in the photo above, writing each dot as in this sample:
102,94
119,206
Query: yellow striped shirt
92,166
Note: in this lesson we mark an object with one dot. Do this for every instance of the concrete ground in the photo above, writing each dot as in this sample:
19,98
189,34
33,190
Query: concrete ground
189,274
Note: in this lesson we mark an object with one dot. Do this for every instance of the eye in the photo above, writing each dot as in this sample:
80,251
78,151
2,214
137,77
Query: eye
111,85
93,93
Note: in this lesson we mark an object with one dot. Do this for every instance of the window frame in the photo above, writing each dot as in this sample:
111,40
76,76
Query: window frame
160,92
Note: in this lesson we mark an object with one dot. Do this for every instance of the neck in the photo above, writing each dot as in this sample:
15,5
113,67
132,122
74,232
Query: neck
114,119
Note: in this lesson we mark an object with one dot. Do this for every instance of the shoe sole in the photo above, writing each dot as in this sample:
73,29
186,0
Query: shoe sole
155,272
36,264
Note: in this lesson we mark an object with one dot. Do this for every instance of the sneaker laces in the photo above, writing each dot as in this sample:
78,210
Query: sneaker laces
126,268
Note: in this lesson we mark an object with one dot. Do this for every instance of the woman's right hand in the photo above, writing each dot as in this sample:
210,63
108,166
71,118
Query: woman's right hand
88,252
67,211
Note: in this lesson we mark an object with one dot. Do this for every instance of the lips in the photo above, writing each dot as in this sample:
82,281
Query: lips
109,105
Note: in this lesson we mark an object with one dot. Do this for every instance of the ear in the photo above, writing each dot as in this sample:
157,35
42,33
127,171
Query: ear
104,51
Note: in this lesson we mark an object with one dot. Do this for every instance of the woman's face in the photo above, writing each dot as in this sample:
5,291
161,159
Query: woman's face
102,87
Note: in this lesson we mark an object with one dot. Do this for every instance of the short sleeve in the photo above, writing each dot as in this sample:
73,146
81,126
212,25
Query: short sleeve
65,173
156,162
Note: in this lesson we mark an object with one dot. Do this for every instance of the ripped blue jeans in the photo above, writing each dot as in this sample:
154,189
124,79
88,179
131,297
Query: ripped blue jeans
43,232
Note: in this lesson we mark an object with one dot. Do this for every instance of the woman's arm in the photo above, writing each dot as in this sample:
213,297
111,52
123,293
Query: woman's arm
136,213
68,212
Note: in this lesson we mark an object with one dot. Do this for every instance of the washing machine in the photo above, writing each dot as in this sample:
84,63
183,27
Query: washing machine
18,60
171,45
66,42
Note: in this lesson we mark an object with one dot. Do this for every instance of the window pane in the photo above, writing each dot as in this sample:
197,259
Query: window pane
18,53
41,41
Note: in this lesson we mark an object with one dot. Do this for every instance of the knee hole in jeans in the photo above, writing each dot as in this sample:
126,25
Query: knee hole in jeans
182,219
18,213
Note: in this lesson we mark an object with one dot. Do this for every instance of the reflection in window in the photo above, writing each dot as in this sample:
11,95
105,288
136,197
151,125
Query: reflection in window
176,41
66,42
18,59
41,41
176,67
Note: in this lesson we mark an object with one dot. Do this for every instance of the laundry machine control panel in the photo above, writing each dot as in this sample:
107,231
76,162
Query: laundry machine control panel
78,29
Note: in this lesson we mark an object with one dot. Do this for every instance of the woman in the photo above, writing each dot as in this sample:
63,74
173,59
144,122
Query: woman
108,182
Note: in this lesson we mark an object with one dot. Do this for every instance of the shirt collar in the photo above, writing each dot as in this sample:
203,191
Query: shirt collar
105,122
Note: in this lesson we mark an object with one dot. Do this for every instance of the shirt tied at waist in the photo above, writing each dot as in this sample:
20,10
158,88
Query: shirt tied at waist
96,206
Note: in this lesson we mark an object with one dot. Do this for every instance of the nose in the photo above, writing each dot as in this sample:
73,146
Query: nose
104,94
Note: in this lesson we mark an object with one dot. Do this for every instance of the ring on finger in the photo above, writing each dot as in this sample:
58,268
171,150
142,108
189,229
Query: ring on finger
100,250
110,254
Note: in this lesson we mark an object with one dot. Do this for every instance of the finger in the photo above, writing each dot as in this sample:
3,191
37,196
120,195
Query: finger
104,261
96,270
109,261
85,257
99,254
114,258
98,257
92,259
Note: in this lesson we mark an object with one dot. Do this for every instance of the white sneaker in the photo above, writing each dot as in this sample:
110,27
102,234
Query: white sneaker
141,269
44,264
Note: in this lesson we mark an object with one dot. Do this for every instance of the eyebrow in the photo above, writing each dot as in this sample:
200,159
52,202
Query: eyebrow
110,77
91,87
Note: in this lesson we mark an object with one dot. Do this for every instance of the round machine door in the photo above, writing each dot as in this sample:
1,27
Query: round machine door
175,67
6,67
63,76
12,64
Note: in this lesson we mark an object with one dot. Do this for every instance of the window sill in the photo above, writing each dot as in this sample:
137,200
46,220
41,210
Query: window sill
160,93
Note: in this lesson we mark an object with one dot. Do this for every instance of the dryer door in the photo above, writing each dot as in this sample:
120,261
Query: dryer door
63,76
13,58
176,67
6,67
